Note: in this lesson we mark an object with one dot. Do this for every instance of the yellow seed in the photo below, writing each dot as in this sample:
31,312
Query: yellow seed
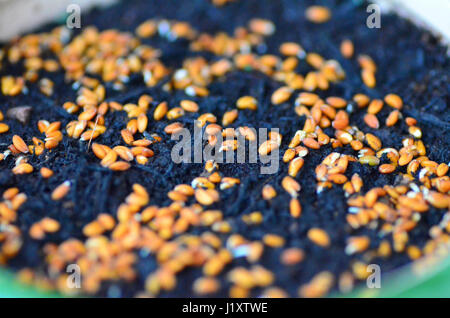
241,277
20,144
336,102
268,192
206,197
10,193
421,148
371,121
261,276
247,102
292,256
438,200
341,120
109,159
46,172
221,67
375,106
185,189
315,60
410,121
386,168
357,244
288,65
50,225
347,48
93,229
3,128
370,160
160,111
318,14
124,153
189,106
281,95
142,142
384,250
175,113
295,166
106,221
205,285
136,151
394,100
415,131
361,99
414,252
18,200
308,99
228,182
77,128
368,78
204,118
319,237
127,136
392,119
144,101
229,117
146,29
318,287
88,114
262,26
253,218
276,137
289,155
273,240
367,63
142,122
214,129
213,266
248,133
132,126
142,160
267,147
100,150
61,191
311,143
291,49
173,128
310,83
405,159
291,186
87,135
337,178
373,141
229,145
442,170
295,208
119,166
36,231
357,182
23,168
177,196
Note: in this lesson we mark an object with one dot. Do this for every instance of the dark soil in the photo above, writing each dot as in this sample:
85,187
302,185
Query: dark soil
411,63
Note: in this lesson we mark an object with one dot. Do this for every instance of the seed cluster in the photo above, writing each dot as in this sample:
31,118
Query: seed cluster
191,233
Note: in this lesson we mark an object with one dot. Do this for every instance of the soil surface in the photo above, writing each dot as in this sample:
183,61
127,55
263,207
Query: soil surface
411,63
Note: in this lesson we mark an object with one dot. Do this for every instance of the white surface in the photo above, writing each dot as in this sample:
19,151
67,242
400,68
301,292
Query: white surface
19,16
431,14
